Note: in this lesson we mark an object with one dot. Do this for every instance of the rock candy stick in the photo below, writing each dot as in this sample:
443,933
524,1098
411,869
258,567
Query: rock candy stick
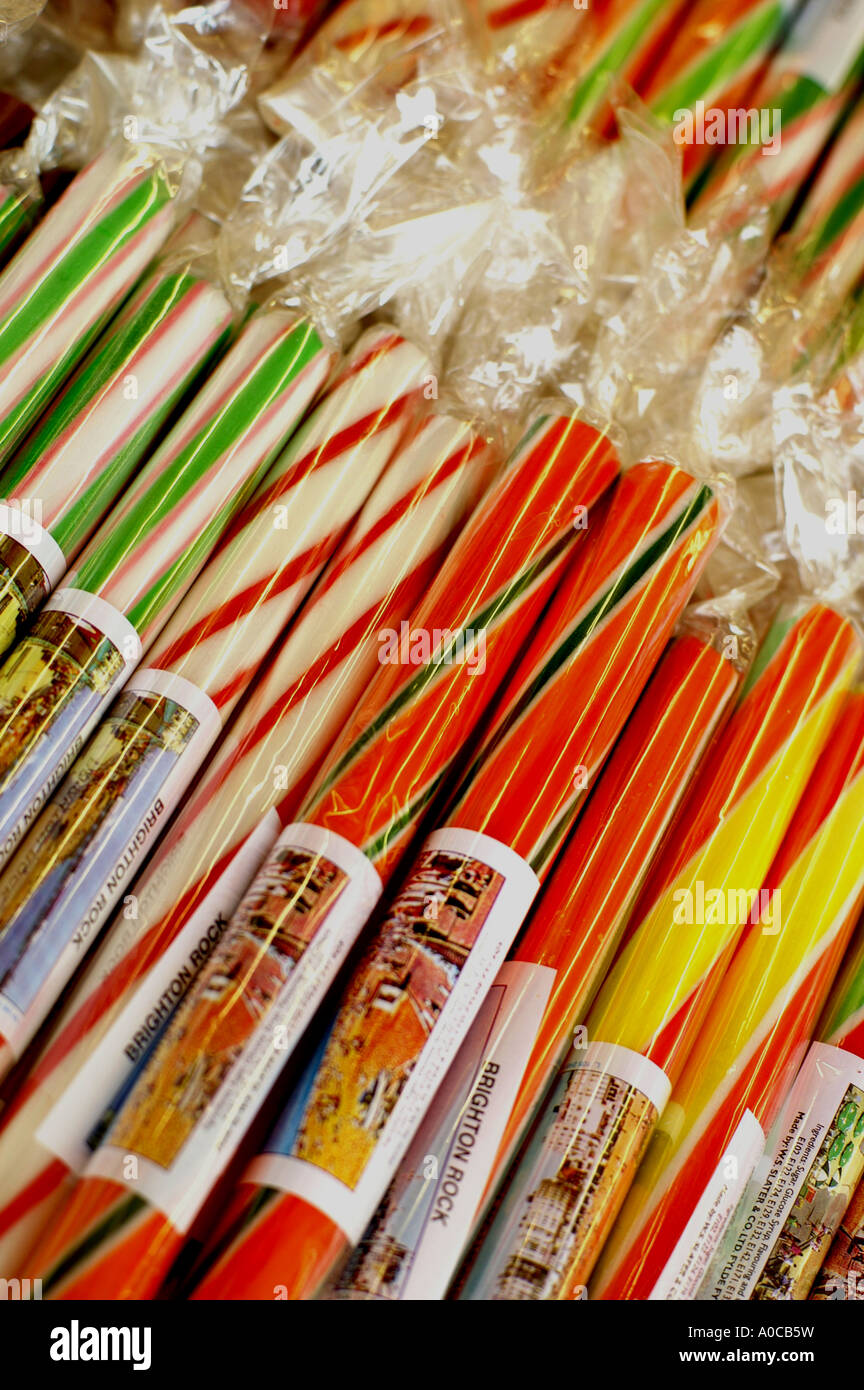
452,922
319,884
522,1032
794,108
606,1101
269,754
71,274
60,484
91,633
81,854
752,1040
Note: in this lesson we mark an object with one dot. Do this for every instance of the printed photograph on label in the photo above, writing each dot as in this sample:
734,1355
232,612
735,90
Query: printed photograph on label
820,1205
129,758
384,1258
841,1278
48,686
289,899
23,586
602,1126
396,998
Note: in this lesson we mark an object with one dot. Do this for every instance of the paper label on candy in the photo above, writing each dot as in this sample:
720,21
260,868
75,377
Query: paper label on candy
686,1266
116,798
217,1060
31,563
17,524
72,1126
572,1177
428,1215
783,1230
54,686
410,1005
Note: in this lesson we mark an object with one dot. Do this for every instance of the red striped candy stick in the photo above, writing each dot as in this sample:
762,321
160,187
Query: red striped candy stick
394,756
90,634
80,856
522,1032
322,885
74,466
442,939
752,1040
197,879
653,1002
72,273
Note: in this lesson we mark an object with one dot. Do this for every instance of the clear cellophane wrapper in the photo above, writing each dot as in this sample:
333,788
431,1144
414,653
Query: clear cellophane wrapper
580,224
646,361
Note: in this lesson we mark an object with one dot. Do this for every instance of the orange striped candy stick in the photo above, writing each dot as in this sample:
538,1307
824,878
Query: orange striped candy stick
445,934
568,1187
319,884
521,1034
727,1098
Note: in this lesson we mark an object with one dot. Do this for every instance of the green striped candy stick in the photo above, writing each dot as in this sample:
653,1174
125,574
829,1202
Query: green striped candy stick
18,209
777,141
73,468
71,274
90,634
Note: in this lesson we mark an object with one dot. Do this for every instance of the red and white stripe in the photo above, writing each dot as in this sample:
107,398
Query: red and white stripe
111,419
96,298
170,537
289,721
262,571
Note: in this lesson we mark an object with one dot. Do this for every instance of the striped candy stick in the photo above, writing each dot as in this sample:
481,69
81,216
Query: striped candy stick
625,40
81,854
416,715
60,484
87,637
752,1040
321,886
292,716
592,654
71,274
642,568
713,65
521,1034
842,1027
843,1023
569,1184
19,207
828,233
794,108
